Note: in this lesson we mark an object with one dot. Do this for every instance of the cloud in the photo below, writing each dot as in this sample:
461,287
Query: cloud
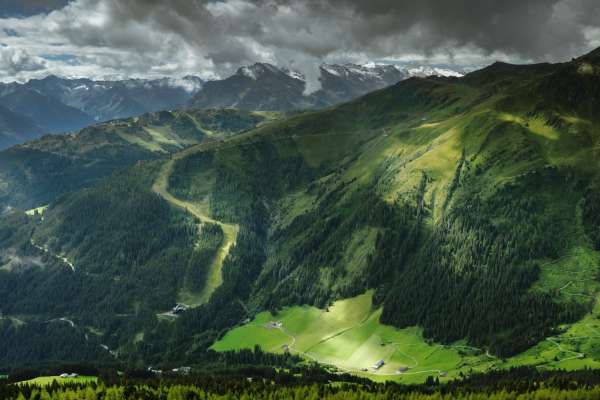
532,29
113,38
13,62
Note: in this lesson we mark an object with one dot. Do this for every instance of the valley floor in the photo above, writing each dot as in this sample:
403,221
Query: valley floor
349,337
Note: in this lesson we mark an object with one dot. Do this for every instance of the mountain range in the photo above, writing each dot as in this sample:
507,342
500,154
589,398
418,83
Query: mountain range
445,224
266,87
56,105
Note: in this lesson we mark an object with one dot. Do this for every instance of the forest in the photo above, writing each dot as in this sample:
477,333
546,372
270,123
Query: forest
309,383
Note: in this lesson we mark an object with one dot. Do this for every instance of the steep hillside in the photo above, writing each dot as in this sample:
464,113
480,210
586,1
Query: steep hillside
467,208
45,111
15,128
37,172
454,198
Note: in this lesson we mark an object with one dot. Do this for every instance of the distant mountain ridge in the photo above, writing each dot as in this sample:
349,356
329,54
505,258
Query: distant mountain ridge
15,128
57,105
266,87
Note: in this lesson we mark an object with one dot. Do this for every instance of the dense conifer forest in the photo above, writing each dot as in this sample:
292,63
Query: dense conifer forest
310,383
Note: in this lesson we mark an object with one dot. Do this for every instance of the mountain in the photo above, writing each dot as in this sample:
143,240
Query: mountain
45,111
39,171
106,100
60,105
266,87
257,87
15,128
440,224
341,83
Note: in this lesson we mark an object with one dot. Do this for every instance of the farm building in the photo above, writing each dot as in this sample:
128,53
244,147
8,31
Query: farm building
179,308
378,364
182,370
402,369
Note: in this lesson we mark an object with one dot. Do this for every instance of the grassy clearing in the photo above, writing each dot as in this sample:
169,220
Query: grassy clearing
577,347
48,380
350,337
573,277
38,211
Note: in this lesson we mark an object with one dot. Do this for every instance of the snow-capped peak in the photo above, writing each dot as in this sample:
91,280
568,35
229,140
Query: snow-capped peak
257,70
428,70
294,74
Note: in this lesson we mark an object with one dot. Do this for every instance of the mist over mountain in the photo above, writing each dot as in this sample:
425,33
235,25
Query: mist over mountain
266,87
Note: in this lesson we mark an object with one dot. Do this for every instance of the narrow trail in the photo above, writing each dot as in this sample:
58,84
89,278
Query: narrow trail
562,349
230,231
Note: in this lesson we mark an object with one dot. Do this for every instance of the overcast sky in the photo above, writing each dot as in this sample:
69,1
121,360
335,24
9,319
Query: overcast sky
211,38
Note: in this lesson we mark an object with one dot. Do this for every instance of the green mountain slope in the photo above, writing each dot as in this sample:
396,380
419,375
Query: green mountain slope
453,198
467,207
37,172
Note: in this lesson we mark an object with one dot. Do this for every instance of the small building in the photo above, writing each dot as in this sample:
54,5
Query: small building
402,370
179,308
275,325
73,375
64,376
443,374
182,370
378,365
155,371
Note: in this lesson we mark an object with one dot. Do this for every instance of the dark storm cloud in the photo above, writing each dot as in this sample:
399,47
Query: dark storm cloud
533,28
232,32
235,31
216,36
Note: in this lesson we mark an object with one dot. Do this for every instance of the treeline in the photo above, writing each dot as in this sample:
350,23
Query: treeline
241,194
312,383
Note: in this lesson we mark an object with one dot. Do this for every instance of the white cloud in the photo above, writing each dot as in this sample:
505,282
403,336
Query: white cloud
14,62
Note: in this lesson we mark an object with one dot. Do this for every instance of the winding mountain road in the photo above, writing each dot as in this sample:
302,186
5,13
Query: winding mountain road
230,231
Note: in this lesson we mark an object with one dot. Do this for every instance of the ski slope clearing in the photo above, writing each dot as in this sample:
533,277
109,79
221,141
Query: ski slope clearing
230,231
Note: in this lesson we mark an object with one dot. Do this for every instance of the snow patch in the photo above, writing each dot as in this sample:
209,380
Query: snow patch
294,75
